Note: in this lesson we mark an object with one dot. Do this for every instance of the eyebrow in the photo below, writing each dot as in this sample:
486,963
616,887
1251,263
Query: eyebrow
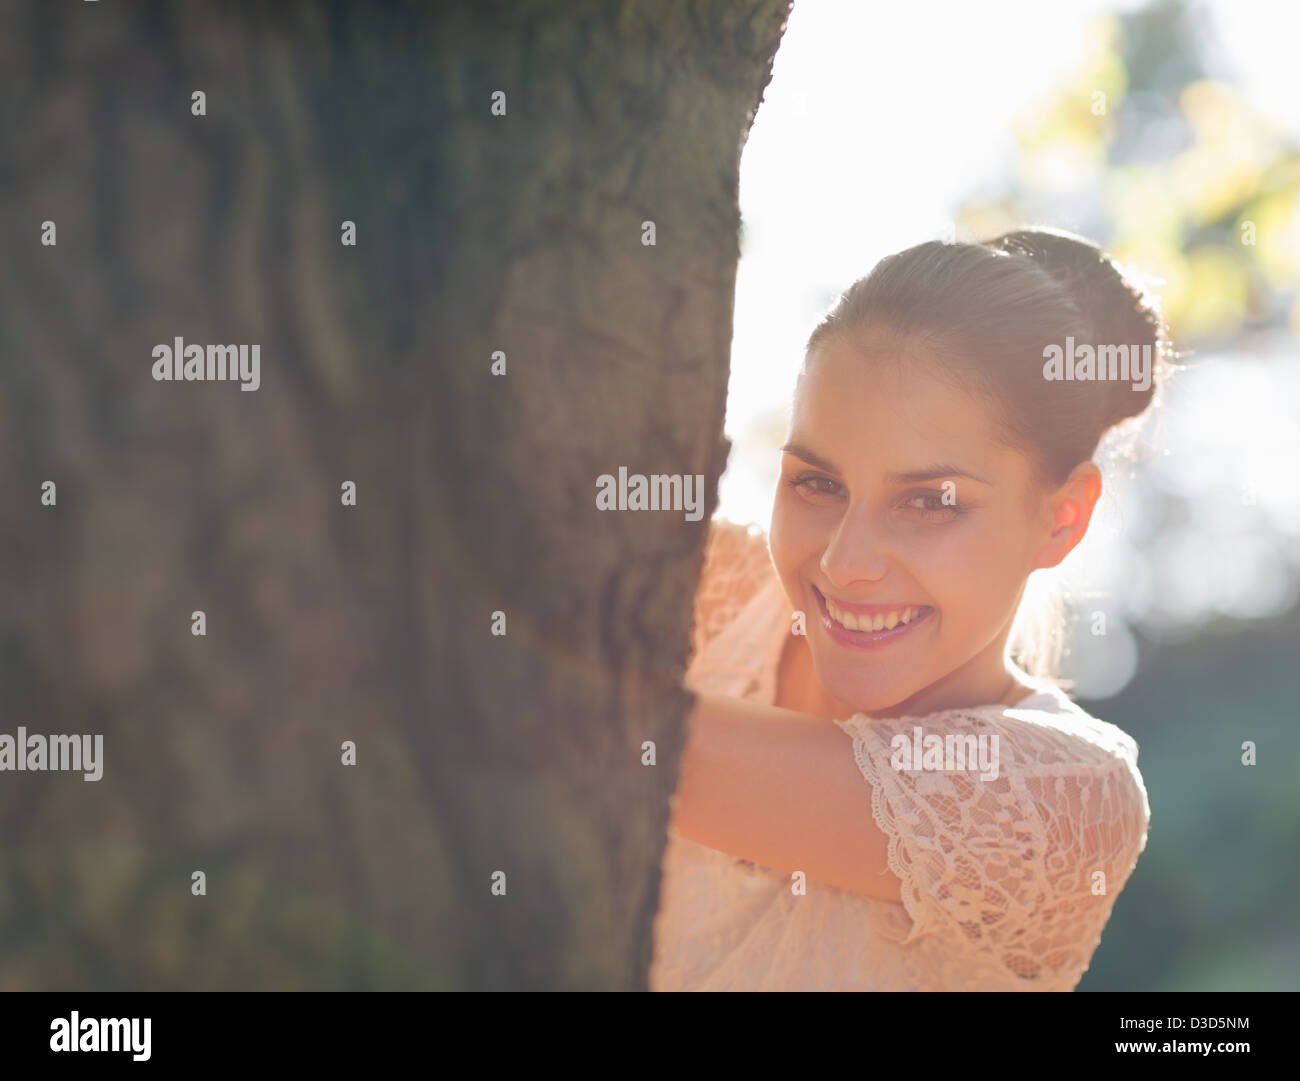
913,476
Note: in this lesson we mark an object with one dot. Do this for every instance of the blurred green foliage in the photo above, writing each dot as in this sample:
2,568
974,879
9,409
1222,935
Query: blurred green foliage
1171,169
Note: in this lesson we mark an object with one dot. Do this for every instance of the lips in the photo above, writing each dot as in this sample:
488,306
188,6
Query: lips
870,625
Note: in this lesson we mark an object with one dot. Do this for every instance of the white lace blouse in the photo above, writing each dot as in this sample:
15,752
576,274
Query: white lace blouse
1006,883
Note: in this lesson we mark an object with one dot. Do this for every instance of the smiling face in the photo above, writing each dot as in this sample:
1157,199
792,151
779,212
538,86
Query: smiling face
897,509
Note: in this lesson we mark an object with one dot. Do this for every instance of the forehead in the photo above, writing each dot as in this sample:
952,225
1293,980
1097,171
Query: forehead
882,402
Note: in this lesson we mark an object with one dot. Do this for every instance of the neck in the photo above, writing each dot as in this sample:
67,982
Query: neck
799,688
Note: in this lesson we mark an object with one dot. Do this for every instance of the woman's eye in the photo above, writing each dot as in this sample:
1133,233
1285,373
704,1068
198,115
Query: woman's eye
812,485
931,505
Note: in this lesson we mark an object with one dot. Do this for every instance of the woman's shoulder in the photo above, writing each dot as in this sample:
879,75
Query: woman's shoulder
737,565
1011,828
1045,732
1044,762
735,542
1082,736
1049,706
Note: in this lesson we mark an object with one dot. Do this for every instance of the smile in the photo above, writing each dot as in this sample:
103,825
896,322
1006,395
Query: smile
870,625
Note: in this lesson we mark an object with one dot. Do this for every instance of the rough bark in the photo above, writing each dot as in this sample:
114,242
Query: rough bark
475,493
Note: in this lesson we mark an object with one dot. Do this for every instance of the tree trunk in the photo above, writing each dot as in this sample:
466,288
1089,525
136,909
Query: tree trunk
522,233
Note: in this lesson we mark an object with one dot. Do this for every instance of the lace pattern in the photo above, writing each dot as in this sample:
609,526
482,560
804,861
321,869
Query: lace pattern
1023,868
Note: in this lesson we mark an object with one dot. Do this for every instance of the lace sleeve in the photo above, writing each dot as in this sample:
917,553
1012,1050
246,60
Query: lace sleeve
735,562
1017,871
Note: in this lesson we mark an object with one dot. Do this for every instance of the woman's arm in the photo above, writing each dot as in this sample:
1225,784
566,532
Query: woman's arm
781,789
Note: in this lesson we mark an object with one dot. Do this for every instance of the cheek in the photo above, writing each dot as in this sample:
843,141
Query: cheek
792,535
782,547
976,570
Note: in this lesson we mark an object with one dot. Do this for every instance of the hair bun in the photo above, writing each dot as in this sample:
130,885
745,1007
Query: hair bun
1119,312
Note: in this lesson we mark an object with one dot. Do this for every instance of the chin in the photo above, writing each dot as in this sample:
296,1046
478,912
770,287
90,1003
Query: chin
864,693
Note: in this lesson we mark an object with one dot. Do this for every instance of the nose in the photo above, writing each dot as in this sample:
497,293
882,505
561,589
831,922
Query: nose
856,552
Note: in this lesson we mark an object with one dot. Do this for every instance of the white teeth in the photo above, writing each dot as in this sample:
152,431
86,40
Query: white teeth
883,621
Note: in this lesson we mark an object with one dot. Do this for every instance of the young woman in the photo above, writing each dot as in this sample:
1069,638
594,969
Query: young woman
874,794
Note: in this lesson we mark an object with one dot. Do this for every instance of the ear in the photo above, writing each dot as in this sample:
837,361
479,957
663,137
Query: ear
1070,509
